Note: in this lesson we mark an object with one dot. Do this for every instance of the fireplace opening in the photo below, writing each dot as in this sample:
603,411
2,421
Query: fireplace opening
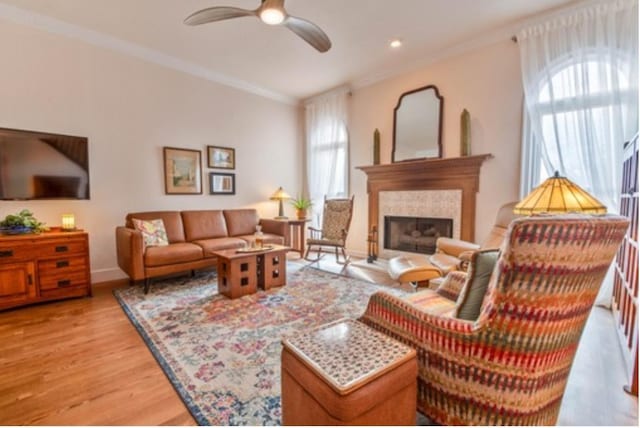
415,234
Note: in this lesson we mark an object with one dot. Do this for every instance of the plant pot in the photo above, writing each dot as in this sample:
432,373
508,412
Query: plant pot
301,214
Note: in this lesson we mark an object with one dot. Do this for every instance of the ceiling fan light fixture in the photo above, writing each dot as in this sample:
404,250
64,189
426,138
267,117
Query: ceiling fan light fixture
272,16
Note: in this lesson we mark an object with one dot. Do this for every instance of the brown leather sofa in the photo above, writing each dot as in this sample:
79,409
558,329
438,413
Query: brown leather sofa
193,237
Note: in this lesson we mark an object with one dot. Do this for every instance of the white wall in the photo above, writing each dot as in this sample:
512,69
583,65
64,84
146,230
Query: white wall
487,82
129,109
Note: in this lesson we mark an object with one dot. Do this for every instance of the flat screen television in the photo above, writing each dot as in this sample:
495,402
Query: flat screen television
39,165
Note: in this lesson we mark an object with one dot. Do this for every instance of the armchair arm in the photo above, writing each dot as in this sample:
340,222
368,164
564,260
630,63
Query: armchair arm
314,233
418,329
275,227
130,252
454,247
465,259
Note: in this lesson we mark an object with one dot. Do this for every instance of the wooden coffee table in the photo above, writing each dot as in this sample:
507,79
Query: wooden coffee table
242,272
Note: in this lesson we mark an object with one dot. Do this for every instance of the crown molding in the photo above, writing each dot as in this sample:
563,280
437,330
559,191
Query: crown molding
56,26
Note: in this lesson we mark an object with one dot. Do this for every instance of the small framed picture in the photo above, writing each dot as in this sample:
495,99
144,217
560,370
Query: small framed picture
222,183
221,157
182,171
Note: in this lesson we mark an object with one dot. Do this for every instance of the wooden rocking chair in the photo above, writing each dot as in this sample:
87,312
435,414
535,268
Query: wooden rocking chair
336,220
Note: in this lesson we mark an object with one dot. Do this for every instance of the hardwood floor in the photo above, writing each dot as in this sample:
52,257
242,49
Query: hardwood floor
81,362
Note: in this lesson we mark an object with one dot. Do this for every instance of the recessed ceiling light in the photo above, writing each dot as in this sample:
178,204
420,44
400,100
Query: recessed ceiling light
395,43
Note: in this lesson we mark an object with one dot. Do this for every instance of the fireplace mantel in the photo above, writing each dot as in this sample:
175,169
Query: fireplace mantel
429,174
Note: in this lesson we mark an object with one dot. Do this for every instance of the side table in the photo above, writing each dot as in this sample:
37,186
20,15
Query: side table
295,237
345,373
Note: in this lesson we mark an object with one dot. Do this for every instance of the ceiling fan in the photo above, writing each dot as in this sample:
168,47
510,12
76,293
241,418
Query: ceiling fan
270,12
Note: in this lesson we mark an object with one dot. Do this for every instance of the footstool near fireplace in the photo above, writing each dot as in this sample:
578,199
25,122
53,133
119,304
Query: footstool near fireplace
345,373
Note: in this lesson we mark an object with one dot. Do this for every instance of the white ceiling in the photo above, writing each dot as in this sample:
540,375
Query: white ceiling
273,61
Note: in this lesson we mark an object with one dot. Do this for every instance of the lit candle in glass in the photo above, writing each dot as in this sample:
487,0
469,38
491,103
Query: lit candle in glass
68,222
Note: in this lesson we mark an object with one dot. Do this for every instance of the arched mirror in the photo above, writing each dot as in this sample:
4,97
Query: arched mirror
417,125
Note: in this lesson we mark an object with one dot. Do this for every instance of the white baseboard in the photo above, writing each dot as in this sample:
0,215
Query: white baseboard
104,275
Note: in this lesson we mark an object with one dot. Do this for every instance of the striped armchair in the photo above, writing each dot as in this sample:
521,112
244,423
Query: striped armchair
510,366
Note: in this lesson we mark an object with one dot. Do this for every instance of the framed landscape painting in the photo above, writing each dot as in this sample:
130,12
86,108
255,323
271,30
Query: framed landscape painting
182,171
222,184
221,157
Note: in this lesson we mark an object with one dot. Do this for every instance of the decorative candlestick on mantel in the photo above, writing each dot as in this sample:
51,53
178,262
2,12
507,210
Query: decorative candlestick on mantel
376,147
465,133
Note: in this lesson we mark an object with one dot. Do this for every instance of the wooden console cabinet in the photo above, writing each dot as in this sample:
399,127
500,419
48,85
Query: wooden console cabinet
41,267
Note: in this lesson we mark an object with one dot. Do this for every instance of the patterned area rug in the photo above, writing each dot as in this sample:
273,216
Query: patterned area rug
222,355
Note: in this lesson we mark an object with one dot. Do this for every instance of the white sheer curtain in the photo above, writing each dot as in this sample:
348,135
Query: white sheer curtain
327,148
580,75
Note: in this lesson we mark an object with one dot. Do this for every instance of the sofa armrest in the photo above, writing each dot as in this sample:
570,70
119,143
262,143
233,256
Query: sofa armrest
454,247
130,250
275,227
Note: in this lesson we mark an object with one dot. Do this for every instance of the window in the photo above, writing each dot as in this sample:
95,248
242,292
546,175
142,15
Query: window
329,154
577,104
327,150
580,76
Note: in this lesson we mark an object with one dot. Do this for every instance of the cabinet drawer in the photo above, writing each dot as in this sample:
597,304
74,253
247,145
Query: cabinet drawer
24,250
17,252
61,248
64,279
63,264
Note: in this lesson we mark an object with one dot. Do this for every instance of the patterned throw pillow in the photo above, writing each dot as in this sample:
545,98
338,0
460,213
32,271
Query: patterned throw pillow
153,232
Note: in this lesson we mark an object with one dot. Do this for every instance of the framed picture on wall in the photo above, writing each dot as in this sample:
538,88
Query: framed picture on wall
221,157
182,171
222,183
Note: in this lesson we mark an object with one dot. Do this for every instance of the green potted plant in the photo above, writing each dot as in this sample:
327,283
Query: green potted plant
23,222
301,204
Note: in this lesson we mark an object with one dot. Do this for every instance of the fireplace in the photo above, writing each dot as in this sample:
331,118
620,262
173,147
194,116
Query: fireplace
415,234
455,179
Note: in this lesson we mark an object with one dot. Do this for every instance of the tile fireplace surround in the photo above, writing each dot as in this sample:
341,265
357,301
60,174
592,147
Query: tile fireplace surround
418,203
426,187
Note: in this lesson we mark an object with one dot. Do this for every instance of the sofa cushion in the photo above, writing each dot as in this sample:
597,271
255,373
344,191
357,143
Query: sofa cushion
267,238
172,254
241,222
153,232
478,276
216,244
171,219
205,224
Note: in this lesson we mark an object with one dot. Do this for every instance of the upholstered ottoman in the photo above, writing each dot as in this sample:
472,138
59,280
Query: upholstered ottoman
345,373
413,268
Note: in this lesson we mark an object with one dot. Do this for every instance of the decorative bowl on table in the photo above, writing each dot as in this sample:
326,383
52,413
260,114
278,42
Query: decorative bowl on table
15,230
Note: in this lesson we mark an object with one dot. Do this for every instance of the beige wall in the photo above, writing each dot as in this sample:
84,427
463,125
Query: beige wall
487,83
129,109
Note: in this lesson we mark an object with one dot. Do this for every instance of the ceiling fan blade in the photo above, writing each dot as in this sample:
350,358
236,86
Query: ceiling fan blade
309,31
218,13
